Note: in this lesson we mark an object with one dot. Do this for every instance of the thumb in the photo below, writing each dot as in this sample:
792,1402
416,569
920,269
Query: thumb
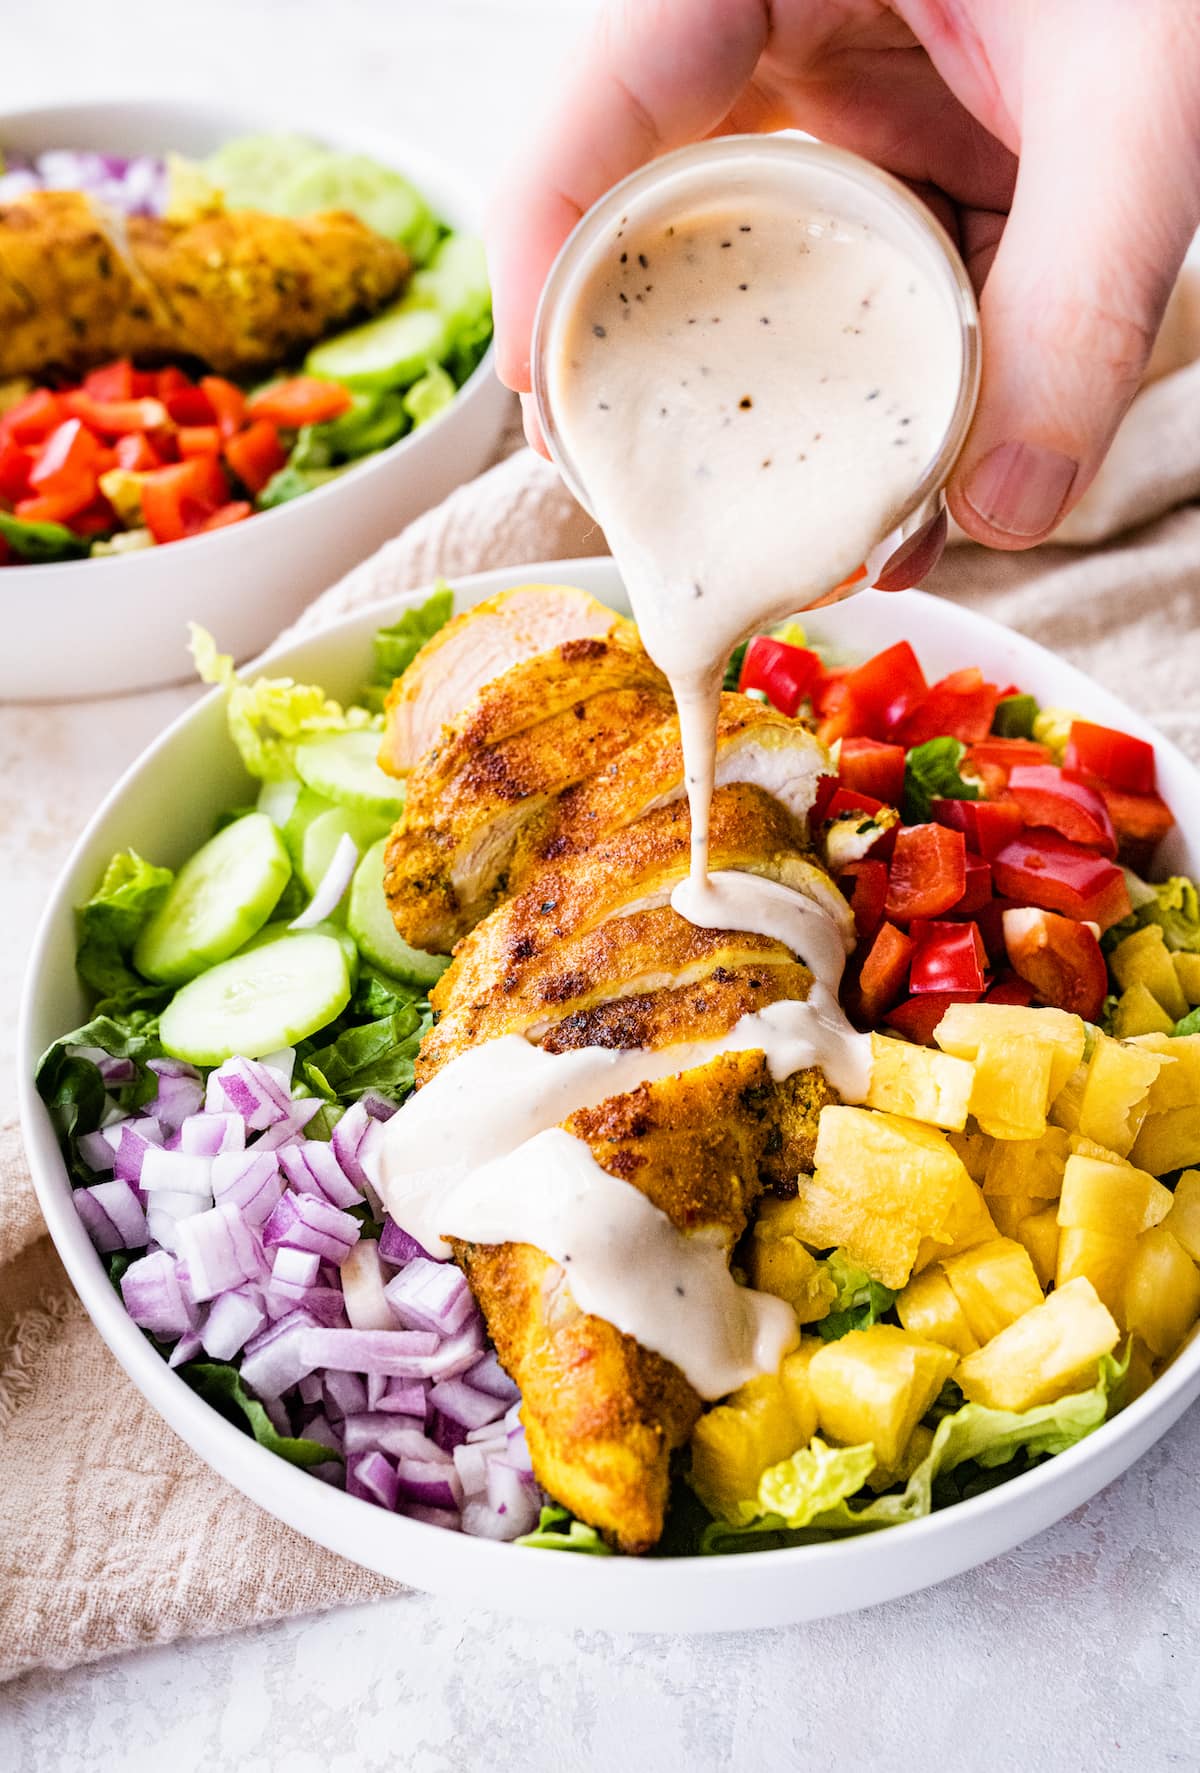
1104,209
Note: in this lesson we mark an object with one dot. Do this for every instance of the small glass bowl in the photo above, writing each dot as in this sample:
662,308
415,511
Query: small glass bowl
849,186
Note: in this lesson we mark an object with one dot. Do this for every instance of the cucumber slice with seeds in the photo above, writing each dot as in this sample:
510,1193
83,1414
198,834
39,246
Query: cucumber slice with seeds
219,898
380,942
273,995
323,834
343,769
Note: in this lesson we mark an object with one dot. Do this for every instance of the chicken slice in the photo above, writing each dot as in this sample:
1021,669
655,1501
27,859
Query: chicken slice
475,649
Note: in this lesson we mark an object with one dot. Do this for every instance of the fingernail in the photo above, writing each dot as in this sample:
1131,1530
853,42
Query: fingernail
1020,488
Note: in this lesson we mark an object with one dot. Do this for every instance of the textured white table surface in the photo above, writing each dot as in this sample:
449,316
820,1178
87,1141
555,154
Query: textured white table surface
1081,1650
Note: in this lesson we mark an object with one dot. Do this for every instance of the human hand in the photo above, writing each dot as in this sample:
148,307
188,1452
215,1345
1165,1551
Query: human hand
1058,142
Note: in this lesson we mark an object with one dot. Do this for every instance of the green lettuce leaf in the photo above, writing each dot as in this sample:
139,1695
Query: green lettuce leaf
733,671
1052,728
397,646
375,1053
72,1088
558,1530
860,1301
271,716
220,1385
1175,907
40,543
1189,1024
430,395
932,772
111,921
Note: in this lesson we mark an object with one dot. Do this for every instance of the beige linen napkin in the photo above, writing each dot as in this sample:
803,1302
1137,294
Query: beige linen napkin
112,1533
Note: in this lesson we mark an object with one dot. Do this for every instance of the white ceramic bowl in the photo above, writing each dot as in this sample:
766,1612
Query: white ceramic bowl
147,810
98,627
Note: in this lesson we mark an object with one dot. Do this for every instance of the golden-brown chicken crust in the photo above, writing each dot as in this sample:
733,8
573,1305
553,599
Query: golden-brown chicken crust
240,291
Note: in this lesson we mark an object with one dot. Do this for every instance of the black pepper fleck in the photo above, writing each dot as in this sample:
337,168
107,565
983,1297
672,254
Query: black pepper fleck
874,394
745,403
743,227
624,258
680,1291
643,261
743,286
599,331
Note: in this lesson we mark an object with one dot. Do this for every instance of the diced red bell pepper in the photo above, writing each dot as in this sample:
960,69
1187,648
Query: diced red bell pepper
177,501
1060,958
1046,797
785,674
135,453
96,519
961,706
170,381
928,873
917,1017
235,512
885,690
227,401
1012,990
947,957
993,759
987,825
32,418
978,891
15,464
116,418
65,467
823,793
1117,758
112,381
255,454
302,400
846,800
190,406
198,440
1045,869
56,509
865,885
883,973
1141,821
872,767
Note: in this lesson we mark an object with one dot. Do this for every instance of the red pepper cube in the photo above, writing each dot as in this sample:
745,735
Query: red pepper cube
987,825
1046,797
198,440
255,454
843,801
1059,958
1045,869
135,453
228,403
960,706
190,406
917,1017
884,690
66,464
883,973
870,766
978,891
1009,989
31,419
947,957
15,464
235,512
300,400
1140,821
928,874
997,758
177,501
1117,758
786,674
865,885
112,381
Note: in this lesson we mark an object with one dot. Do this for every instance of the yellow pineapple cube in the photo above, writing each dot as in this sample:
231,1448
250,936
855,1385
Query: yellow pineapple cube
1183,1221
965,1026
1010,1211
967,1223
1012,1087
1081,1147
1187,971
1138,1011
1049,1353
1169,1141
1039,1234
1112,1198
1100,1258
995,1284
1162,1292
761,1423
875,1385
1114,1099
1178,1083
881,1184
778,1263
1028,1166
1064,1109
797,1392
1139,1375
975,1148
928,1308
919,1443
1143,959
919,1082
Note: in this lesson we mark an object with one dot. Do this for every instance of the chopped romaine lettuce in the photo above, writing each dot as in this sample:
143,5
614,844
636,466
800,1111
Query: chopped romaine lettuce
932,772
292,482
859,1301
220,1385
373,421
1052,728
429,396
1189,1024
396,646
1174,905
37,544
372,1046
733,671
111,921
558,1530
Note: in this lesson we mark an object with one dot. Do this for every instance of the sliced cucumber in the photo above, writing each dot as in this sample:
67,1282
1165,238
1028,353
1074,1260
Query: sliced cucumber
388,352
454,282
380,942
377,195
219,898
343,769
273,995
325,832
280,932
254,170
308,806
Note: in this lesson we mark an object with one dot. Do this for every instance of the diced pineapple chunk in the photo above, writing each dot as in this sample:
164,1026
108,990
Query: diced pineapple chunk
928,1308
1168,1141
1138,1011
1178,1083
968,1223
1143,959
1112,1198
1114,1099
919,1082
965,1026
1011,1092
1187,971
875,1385
1010,1211
1064,1109
1183,1221
1081,1147
1100,1258
797,1392
1047,1354
1039,1234
919,1443
1028,1166
779,1263
975,1148
759,1424
995,1284
881,1185
1139,1374
1162,1292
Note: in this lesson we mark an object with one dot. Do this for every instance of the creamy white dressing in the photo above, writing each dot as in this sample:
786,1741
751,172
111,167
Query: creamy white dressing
750,388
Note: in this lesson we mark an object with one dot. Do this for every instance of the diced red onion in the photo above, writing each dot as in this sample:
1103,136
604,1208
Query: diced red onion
179,1095
372,1477
308,1222
377,1106
153,1296
250,1089
165,1211
328,1306
311,1389
320,1428
17,184
289,1127
518,1450
189,1345
397,1247
283,1061
488,1375
456,1354
347,1139
233,1318
398,1436
276,1359
134,1138
208,1135
481,1521
96,1151
297,1268
279,1414
402,1397
449,1518
175,1172
428,1295
362,1277
250,1181
470,1462
345,1393
331,887
424,1480
120,1204
448,1434
369,1351
312,1168
116,1071
220,1250
459,1401
512,1496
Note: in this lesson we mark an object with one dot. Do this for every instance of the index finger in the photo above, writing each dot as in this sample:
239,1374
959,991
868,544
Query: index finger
651,78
